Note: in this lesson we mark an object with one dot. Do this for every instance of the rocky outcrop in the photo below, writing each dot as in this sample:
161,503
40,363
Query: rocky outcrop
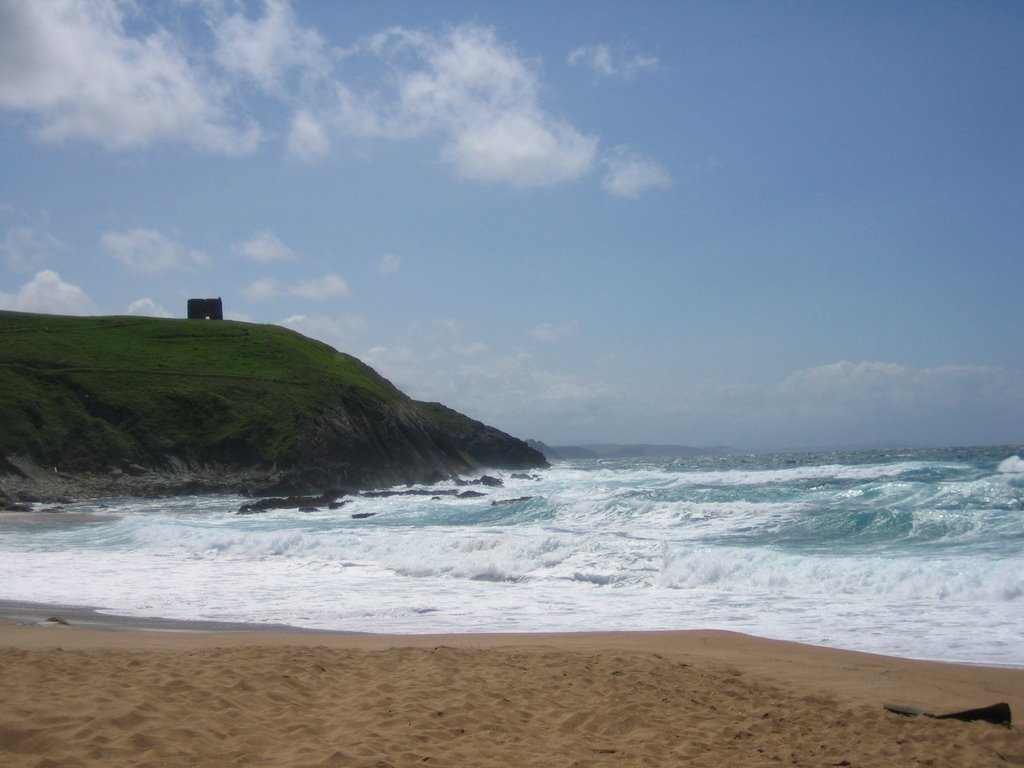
340,452
406,442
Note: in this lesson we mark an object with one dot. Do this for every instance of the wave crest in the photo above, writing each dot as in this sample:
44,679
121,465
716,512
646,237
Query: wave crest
1014,465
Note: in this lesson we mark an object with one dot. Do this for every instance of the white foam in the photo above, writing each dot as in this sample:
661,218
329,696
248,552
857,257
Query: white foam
744,572
1013,465
798,474
885,563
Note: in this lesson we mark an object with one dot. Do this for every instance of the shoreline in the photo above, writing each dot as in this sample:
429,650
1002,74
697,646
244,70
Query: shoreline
66,616
34,614
87,626
172,693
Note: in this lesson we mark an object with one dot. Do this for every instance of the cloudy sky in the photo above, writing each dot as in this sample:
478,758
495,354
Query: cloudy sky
761,224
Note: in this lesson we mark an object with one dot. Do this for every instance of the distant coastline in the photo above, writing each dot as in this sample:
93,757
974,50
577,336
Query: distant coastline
626,451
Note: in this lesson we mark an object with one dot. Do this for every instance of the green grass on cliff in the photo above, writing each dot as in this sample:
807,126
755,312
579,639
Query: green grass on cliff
85,393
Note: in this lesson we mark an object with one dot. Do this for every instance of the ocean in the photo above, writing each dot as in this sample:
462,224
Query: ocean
915,553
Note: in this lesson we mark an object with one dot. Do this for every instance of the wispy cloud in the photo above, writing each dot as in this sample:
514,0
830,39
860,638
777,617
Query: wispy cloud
322,288
150,252
481,98
26,247
440,361
342,333
389,264
264,289
472,349
307,137
848,392
328,286
553,332
630,174
612,61
267,48
263,248
856,402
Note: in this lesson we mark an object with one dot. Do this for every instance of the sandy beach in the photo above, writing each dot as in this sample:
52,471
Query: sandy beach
117,693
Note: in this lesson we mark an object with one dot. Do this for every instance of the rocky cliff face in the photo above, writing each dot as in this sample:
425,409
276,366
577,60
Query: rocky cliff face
339,452
406,442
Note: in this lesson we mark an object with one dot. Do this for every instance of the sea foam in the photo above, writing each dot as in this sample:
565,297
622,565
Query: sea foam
1012,465
904,554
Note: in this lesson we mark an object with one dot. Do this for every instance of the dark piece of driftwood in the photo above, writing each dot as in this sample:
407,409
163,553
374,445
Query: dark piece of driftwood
996,713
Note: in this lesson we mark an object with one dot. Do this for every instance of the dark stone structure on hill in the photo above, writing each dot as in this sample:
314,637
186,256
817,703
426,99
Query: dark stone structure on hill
205,309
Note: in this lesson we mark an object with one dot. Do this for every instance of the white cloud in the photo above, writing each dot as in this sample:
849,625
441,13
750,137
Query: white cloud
478,95
25,247
265,49
389,264
842,403
873,401
149,252
262,290
350,113
559,390
513,387
484,97
340,332
322,288
75,67
631,175
523,149
263,248
108,72
552,332
307,139
619,62
434,361
874,391
472,349
847,403
47,293
147,308
445,326
597,57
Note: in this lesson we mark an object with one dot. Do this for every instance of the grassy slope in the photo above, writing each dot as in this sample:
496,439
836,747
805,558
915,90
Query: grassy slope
81,393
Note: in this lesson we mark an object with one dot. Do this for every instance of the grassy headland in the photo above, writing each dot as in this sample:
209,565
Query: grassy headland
99,393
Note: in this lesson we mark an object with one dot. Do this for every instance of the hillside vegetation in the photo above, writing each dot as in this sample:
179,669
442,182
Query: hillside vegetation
101,393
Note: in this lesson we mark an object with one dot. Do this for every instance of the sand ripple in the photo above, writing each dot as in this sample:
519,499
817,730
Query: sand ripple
444,706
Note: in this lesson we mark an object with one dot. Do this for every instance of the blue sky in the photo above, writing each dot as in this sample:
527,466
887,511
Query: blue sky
761,224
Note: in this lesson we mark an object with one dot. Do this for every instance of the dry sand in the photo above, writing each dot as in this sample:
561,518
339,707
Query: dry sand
94,697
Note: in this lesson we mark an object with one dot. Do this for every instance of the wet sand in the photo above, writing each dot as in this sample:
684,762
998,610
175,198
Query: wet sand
79,694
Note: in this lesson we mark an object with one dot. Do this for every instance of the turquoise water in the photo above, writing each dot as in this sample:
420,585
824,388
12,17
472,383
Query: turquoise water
915,553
